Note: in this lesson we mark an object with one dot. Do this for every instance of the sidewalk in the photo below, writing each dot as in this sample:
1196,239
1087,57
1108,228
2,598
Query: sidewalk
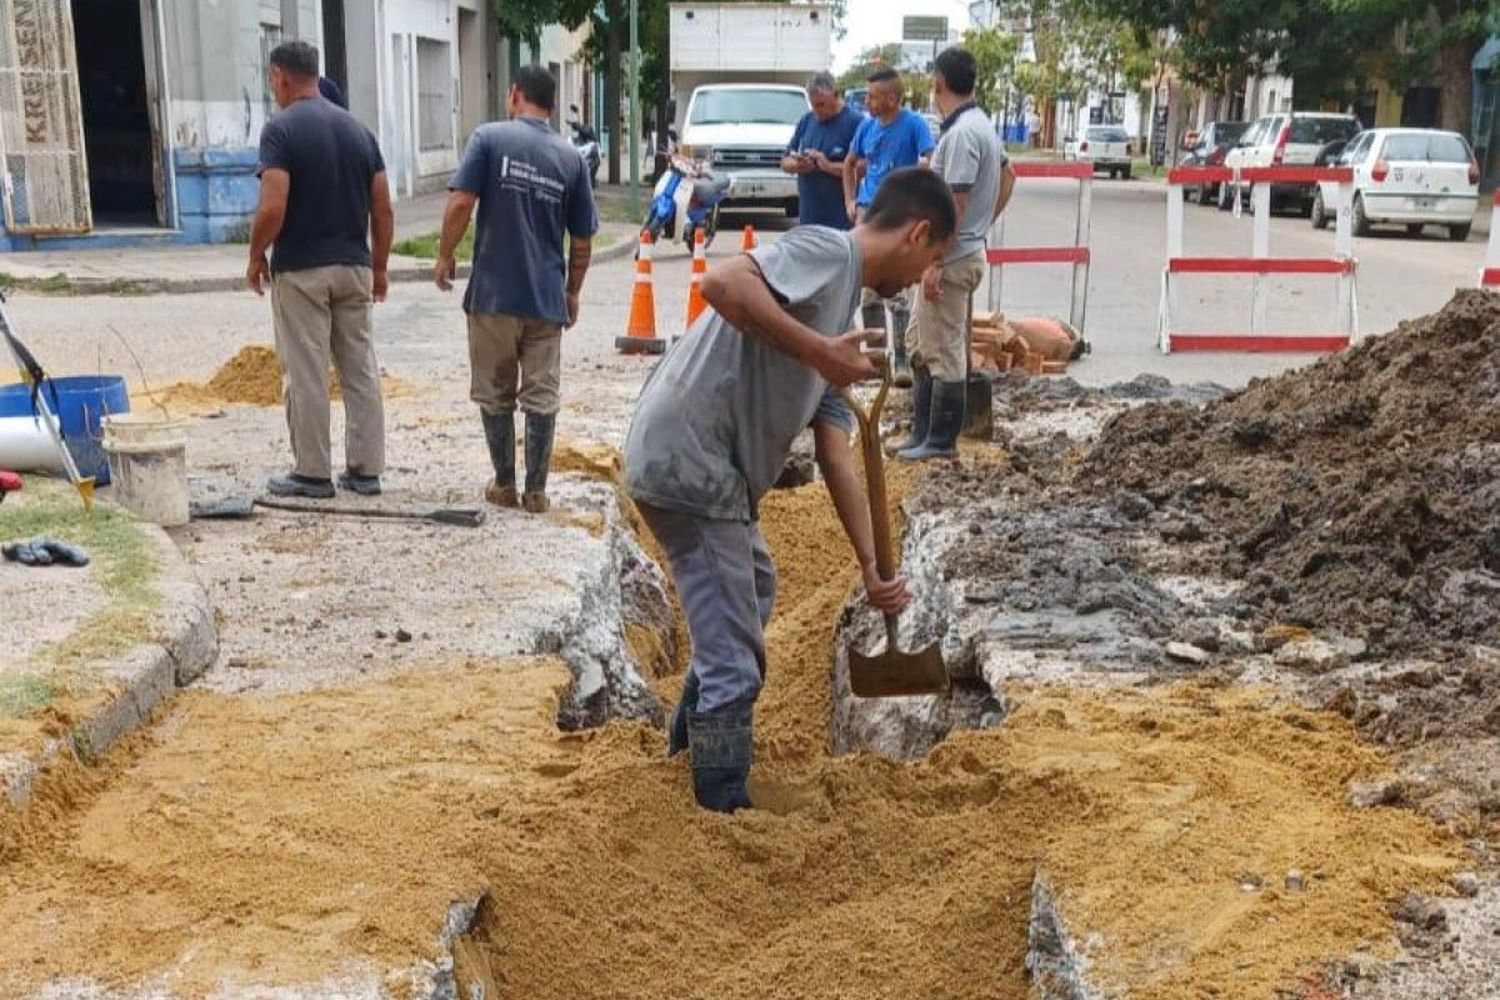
221,267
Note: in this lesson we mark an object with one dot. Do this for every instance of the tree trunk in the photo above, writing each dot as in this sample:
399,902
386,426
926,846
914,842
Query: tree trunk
1455,77
612,91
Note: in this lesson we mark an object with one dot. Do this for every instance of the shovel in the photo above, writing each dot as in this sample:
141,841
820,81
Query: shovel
461,517
33,375
891,674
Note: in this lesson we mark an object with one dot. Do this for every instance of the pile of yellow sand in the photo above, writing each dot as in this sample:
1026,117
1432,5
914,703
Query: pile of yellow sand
275,838
253,377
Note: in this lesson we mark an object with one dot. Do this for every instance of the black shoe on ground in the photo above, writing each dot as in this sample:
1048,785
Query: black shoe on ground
293,485
365,486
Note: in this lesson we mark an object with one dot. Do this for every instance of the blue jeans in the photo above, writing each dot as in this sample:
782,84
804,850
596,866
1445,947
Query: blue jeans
727,585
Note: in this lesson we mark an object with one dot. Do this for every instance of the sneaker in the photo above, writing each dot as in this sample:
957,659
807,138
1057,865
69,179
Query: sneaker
293,485
501,496
365,486
536,502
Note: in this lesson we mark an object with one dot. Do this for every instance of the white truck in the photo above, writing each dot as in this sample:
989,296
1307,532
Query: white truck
739,72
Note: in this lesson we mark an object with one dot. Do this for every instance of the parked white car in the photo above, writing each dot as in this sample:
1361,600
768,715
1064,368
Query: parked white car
1107,147
1407,176
1289,139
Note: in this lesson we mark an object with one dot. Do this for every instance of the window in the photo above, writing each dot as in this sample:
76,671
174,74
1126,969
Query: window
1320,130
434,96
769,107
1112,134
1358,150
270,37
1432,147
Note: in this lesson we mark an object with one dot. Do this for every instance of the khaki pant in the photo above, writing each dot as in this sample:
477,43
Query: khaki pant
943,326
505,350
321,311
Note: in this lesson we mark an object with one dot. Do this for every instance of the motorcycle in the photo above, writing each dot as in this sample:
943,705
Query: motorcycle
586,141
688,190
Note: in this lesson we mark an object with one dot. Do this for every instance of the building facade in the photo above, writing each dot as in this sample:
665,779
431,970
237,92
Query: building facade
127,121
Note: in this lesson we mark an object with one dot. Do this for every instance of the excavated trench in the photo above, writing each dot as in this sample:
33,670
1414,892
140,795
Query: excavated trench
319,837
943,863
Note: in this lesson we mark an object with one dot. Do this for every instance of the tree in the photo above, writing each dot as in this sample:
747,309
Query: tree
525,19
1428,40
995,51
871,59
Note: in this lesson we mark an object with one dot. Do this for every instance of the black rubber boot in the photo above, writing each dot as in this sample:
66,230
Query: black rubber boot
500,436
944,425
722,752
677,735
901,370
921,410
539,433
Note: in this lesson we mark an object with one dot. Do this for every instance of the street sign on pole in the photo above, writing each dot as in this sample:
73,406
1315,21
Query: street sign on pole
924,29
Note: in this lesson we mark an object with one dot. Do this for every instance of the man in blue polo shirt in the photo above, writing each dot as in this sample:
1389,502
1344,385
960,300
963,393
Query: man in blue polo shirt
891,137
817,151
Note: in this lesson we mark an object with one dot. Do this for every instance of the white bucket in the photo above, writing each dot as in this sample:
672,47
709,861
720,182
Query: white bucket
148,467
25,446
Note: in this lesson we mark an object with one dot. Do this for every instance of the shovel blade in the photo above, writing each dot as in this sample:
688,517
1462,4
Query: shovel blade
894,674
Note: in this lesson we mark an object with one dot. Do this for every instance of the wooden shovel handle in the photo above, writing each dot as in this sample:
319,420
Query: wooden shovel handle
869,440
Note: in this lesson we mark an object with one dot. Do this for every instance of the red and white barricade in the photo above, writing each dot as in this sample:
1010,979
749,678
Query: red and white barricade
1260,264
1001,256
1490,276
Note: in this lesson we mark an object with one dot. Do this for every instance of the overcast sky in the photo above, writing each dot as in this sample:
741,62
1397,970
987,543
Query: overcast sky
878,22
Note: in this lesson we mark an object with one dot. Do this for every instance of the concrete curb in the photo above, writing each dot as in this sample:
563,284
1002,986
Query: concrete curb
142,679
409,269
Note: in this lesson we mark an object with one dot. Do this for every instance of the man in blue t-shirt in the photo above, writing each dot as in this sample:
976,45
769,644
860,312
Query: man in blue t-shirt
817,151
531,187
891,137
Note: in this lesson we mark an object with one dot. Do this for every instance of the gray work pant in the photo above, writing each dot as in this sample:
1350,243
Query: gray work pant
727,585
321,311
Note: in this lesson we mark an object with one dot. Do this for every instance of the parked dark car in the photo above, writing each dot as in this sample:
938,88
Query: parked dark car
1207,150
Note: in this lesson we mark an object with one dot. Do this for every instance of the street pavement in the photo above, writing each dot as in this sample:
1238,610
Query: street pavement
1399,278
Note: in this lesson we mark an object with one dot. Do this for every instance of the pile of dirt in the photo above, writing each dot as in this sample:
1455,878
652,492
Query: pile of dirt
253,377
1357,494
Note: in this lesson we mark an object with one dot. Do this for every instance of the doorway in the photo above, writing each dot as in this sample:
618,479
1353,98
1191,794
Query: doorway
117,135
335,51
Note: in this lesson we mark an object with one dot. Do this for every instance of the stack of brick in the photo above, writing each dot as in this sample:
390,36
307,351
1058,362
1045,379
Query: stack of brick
1000,345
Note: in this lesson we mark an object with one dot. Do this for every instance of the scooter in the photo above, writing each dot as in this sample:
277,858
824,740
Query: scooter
586,141
690,190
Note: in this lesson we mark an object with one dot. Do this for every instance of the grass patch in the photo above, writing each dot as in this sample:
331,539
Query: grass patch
125,565
22,694
56,284
426,247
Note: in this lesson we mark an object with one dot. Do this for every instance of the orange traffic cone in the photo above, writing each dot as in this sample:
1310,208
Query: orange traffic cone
640,333
749,242
696,305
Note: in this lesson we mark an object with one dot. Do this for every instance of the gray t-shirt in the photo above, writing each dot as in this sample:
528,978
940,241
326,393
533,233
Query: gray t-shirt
717,418
970,158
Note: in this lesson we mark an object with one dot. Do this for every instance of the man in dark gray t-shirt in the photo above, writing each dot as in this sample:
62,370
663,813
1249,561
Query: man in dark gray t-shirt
716,421
323,201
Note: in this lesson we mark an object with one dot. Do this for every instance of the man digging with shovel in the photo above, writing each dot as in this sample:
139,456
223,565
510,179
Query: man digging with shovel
715,424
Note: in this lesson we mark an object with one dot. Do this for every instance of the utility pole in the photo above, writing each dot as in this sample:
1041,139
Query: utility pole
635,100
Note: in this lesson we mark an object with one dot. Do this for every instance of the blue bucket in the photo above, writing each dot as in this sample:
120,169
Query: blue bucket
82,401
